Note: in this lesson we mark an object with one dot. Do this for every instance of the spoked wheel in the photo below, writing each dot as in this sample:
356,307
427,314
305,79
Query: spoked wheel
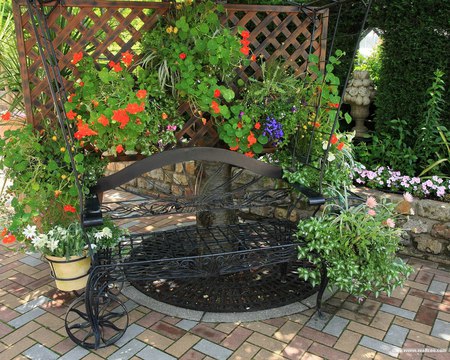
101,325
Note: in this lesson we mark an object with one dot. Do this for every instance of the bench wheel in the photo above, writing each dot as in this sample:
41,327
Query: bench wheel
99,325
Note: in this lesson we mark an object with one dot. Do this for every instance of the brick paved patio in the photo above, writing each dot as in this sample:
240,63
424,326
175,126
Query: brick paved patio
415,318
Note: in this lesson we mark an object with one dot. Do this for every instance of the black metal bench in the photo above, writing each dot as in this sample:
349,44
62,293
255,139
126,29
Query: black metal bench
233,233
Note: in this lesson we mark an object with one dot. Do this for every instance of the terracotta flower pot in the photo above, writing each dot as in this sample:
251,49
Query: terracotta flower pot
70,274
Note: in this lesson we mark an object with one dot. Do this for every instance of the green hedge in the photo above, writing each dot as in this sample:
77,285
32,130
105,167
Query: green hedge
416,42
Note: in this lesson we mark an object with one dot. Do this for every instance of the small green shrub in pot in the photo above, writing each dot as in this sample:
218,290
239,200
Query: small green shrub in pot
358,244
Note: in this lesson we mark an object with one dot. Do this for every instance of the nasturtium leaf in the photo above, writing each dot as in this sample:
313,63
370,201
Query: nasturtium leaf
227,94
257,148
263,139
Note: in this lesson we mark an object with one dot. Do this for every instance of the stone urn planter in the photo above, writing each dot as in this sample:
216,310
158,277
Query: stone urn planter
359,93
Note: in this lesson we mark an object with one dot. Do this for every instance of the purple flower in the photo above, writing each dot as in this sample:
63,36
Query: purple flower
273,129
294,109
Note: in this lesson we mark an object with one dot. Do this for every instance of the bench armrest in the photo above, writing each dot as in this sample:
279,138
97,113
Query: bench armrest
314,197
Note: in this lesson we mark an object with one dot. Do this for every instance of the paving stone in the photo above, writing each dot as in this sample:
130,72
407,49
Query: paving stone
317,336
380,346
31,260
132,331
426,315
27,317
319,323
437,287
246,351
129,350
297,347
382,320
182,345
75,354
398,311
236,338
396,335
412,303
215,351
131,305
40,352
186,324
154,339
348,341
30,305
366,330
441,329
336,326
287,331
327,352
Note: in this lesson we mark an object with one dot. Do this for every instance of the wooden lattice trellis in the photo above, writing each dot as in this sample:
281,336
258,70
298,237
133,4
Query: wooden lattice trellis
105,29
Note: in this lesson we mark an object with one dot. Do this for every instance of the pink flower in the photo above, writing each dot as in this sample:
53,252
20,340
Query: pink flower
371,212
171,127
390,223
371,202
408,197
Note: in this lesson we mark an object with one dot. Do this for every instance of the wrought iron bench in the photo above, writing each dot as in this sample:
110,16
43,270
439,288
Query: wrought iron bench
235,232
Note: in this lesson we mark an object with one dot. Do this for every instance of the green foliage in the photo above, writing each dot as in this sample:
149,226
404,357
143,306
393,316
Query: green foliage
413,47
358,245
371,63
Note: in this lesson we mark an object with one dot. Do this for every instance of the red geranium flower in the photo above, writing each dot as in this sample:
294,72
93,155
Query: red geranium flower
215,107
127,58
69,208
115,66
245,50
4,232
251,139
70,97
122,117
334,139
9,239
84,130
340,146
258,126
134,108
249,154
253,58
245,34
141,94
333,106
71,115
216,93
6,116
182,56
234,148
316,124
103,120
77,57
119,149
245,42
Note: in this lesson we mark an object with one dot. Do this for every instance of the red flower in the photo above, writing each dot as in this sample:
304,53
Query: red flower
239,125
251,139
9,239
6,116
245,50
182,56
122,117
258,126
316,124
71,115
127,58
69,208
234,148
334,139
134,108
215,107
103,120
81,83
70,98
4,232
245,42
84,130
141,94
245,34
115,66
249,154
119,149
216,93
253,58
333,106
340,146
77,57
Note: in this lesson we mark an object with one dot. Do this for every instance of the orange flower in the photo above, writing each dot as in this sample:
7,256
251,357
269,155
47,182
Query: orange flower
57,193
182,56
204,121
253,58
245,42
234,148
115,66
316,124
134,108
334,139
245,50
251,139
95,103
6,116
258,126
215,107
69,208
216,93
249,154
164,116
127,58
9,239
70,97
141,94
81,83
340,146
4,232
333,106
71,115
239,125
245,34
119,149
84,130
77,57
103,120
122,117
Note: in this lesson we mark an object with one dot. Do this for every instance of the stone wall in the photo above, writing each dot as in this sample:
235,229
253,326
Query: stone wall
427,232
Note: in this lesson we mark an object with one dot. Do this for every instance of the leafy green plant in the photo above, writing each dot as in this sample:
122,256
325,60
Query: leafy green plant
371,63
357,244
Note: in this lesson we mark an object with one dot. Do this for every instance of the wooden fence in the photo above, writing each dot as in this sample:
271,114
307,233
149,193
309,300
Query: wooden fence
108,28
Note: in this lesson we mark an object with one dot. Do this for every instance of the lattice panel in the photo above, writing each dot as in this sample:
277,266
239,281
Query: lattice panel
105,29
